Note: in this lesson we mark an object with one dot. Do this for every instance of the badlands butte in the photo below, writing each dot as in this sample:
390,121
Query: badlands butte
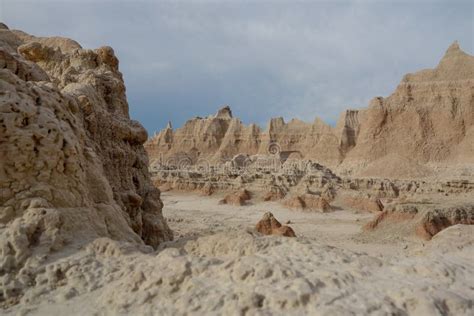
424,127
372,216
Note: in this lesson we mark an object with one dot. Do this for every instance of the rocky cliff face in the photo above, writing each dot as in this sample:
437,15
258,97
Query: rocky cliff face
219,138
72,165
429,119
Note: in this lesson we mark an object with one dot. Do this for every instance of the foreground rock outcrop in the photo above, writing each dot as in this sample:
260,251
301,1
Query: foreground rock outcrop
72,164
233,273
425,126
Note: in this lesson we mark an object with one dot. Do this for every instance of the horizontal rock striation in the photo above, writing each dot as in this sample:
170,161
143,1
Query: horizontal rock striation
426,124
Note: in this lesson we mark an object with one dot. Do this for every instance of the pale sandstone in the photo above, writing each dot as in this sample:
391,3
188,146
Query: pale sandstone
255,275
427,123
72,166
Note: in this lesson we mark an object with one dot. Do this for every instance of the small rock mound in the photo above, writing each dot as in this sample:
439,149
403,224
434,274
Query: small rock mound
238,198
269,225
422,220
308,202
371,204
440,218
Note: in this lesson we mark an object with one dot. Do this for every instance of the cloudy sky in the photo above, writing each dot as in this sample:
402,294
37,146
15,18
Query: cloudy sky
305,59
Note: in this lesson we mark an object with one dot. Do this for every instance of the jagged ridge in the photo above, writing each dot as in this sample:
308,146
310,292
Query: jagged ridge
428,119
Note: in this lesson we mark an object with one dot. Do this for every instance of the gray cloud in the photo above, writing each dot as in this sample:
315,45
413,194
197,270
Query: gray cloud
266,58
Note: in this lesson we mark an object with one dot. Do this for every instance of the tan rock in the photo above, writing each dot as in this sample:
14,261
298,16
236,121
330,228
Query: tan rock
72,165
439,219
364,203
236,198
294,202
222,137
275,194
428,119
423,220
269,225
307,202
425,120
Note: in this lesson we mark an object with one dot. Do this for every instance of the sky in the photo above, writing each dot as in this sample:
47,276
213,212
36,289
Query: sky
295,59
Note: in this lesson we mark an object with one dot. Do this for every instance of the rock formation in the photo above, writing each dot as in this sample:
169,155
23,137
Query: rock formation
235,198
255,275
364,203
422,219
220,137
307,202
428,119
426,124
72,164
269,225
310,180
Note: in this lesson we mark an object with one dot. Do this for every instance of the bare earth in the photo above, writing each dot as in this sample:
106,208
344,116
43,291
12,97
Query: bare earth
191,216
218,264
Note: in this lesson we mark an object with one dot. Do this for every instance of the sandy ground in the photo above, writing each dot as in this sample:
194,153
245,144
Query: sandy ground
219,265
191,215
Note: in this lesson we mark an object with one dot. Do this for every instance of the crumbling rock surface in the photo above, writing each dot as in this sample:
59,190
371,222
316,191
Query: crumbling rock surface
234,273
273,184
269,225
427,119
220,137
438,219
305,185
72,163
